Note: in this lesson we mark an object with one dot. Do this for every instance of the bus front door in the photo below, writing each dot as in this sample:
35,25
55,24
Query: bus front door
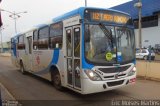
73,57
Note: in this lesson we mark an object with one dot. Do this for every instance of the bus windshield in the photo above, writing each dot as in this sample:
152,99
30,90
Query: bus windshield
108,44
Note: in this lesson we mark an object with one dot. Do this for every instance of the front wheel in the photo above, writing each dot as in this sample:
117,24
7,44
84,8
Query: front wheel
56,80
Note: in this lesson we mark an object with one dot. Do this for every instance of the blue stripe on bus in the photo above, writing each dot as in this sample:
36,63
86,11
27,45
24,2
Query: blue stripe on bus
55,56
53,62
14,47
85,65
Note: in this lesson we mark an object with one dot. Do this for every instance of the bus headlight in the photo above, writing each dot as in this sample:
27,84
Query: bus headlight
132,72
92,75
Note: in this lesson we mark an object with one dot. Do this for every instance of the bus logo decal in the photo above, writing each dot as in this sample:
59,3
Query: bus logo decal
38,60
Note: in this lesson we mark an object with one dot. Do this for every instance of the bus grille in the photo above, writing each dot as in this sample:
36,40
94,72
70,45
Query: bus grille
113,76
114,70
115,83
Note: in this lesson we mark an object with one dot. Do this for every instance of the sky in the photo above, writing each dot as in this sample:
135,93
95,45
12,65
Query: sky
41,11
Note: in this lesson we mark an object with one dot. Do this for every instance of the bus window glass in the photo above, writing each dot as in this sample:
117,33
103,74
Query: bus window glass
35,39
30,44
43,33
125,43
21,44
77,42
43,38
56,34
69,42
100,43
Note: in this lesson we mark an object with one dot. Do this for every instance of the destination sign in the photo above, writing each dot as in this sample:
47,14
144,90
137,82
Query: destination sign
107,16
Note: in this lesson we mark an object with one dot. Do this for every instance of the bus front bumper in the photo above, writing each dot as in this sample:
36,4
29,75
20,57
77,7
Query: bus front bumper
101,86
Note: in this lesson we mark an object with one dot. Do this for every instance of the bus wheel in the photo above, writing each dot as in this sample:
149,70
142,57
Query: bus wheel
56,80
22,68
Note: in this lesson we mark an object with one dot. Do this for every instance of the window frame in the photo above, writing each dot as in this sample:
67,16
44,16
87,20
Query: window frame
21,44
79,39
41,39
56,36
35,40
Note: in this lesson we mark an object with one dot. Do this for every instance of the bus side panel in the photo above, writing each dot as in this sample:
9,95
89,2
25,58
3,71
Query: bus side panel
13,54
14,58
42,59
62,68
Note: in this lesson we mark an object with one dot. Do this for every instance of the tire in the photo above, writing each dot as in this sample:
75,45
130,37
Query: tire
22,68
56,80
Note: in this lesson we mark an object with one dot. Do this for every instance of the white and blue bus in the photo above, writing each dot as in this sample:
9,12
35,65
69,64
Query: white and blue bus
87,50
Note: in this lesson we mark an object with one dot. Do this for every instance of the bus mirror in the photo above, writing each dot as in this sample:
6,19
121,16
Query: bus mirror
57,45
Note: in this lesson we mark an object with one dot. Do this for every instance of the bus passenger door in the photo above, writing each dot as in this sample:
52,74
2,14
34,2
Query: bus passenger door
73,57
29,54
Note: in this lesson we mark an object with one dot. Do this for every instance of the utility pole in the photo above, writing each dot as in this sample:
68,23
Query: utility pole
14,16
139,6
85,3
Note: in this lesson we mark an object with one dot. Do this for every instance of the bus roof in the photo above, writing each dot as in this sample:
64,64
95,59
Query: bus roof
31,29
80,12
72,13
16,35
40,26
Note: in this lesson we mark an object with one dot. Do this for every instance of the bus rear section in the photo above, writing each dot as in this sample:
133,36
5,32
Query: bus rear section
17,49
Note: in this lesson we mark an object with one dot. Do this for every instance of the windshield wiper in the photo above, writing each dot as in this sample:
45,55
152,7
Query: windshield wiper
106,32
122,30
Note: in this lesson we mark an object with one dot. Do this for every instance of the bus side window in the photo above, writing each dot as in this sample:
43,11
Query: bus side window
56,35
35,39
21,44
43,38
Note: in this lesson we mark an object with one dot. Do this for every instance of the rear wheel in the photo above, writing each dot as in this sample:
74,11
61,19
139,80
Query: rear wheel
56,80
22,68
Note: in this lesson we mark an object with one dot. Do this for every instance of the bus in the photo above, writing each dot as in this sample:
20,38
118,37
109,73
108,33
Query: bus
87,50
